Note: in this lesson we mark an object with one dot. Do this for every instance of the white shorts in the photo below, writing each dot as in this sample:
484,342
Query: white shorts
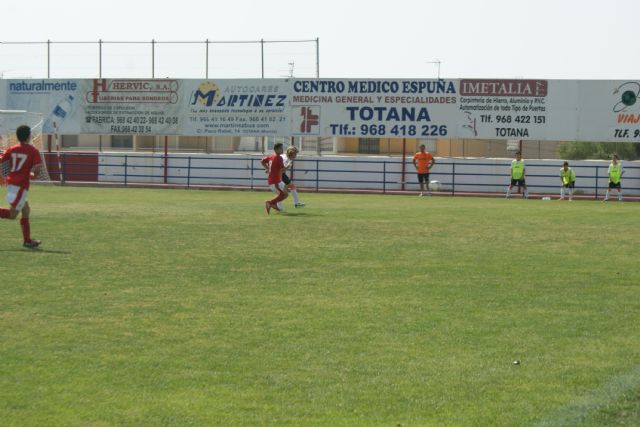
278,188
16,196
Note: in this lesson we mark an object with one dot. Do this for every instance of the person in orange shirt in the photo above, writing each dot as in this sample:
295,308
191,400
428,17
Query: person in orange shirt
423,162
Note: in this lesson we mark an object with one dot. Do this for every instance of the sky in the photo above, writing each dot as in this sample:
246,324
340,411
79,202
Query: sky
550,39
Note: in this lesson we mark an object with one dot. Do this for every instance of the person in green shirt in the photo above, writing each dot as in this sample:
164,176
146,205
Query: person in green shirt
517,176
568,178
615,173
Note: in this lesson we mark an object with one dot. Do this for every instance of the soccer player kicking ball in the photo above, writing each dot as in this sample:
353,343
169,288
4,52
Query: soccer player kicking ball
20,160
568,178
517,176
273,167
615,172
288,158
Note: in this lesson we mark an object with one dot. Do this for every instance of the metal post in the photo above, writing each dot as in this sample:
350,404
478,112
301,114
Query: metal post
318,57
166,157
100,58
153,58
262,74
60,167
262,55
597,169
317,175
318,140
384,177
453,180
251,179
206,73
189,173
125,169
48,59
60,161
48,157
404,156
539,151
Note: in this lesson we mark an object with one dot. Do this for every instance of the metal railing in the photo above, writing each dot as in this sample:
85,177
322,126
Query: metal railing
381,175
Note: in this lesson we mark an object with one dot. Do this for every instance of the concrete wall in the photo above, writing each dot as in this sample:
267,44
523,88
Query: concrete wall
345,172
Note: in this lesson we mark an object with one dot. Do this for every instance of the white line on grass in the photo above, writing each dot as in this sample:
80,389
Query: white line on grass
579,410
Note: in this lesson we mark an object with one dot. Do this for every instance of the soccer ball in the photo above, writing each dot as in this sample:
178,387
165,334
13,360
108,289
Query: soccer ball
435,185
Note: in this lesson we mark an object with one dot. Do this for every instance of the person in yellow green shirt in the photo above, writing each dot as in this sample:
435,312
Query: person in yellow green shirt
517,176
615,173
568,178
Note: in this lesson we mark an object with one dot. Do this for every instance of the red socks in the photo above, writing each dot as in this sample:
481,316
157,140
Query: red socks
24,224
26,229
280,197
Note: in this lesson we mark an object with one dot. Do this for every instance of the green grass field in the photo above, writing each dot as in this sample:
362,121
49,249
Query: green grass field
193,308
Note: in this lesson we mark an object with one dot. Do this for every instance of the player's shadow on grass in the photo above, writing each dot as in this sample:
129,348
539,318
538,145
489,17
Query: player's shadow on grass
36,250
294,214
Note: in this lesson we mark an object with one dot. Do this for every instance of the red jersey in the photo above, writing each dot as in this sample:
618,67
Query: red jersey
276,165
21,158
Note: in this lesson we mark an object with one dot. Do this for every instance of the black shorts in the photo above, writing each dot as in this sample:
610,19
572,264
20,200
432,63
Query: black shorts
286,179
569,185
423,177
615,185
518,182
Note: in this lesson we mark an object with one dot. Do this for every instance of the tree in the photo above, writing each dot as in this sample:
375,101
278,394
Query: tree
581,150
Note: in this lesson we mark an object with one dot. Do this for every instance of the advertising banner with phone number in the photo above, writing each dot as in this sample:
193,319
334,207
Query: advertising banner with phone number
557,110
535,109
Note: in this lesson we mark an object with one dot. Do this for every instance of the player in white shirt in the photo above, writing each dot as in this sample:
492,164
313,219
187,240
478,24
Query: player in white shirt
288,157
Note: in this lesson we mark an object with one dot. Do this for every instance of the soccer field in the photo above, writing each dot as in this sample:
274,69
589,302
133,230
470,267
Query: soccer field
178,308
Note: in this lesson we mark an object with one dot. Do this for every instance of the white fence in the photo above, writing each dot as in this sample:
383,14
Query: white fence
362,173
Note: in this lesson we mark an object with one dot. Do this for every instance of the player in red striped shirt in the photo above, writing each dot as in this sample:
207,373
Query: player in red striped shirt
273,167
20,160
